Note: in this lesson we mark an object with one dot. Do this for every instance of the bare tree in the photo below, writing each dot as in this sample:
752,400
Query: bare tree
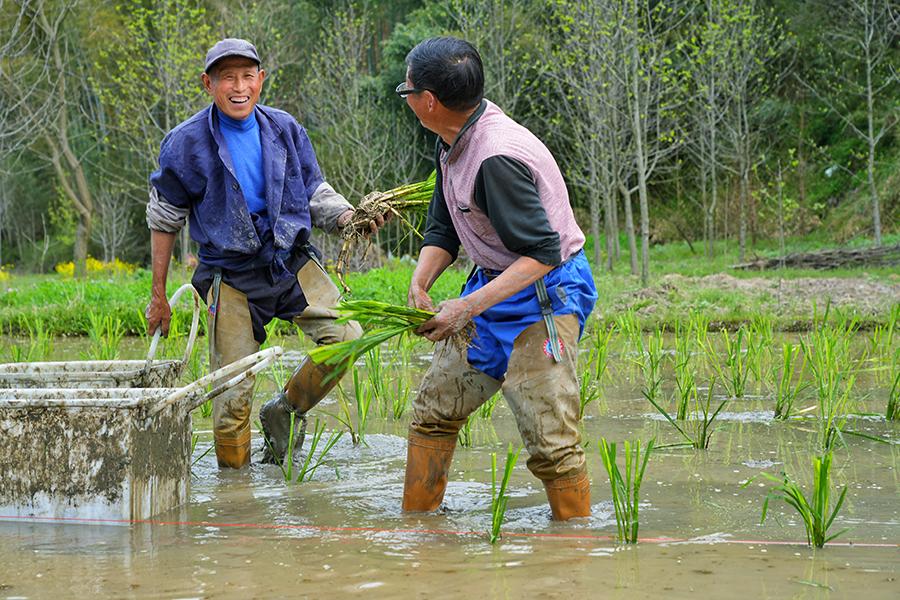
360,142
25,60
861,46
754,39
589,118
655,92
503,32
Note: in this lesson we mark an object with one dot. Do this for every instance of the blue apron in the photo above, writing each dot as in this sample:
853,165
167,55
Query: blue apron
571,289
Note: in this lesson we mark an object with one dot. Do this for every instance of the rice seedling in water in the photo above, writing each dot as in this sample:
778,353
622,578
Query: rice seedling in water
587,391
685,373
893,406
881,340
626,491
499,498
629,326
486,410
827,351
106,334
309,465
599,353
698,429
391,320
344,416
786,391
363,392
38,345
814,512
377,380
410,197
400,396
464,436
735,370
651,361
760,339
307,468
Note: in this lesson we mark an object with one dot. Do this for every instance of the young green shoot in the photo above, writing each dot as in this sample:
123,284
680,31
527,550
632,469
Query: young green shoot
736,369
786,391
698,429
626,490
651,362
464,437
499,497
588,391
827,352
309,465
487,409
814,512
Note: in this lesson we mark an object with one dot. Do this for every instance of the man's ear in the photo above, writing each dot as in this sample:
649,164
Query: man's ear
207,82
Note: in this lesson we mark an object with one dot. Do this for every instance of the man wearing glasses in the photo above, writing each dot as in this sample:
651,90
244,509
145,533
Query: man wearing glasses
247,177
501,196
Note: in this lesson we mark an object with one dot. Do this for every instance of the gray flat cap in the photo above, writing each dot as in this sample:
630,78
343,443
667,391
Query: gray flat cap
230,47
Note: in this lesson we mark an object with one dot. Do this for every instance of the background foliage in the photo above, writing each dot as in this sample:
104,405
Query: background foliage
703,121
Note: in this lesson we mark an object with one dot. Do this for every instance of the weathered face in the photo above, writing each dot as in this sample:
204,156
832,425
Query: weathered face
235,84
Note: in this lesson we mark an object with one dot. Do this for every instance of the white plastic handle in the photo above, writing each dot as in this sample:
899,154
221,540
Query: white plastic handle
237,372
195,326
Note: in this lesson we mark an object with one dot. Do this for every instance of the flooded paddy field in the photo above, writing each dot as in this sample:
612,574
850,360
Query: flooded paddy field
250,534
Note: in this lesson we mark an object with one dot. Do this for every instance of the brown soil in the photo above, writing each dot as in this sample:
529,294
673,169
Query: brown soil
784,297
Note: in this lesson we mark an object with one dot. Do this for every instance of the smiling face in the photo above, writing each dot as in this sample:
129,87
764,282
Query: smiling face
235,84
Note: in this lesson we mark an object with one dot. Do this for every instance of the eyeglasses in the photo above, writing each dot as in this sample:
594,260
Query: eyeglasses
404,91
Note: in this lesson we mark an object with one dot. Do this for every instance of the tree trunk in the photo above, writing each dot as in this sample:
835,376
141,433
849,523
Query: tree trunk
870,169
594,200
629,229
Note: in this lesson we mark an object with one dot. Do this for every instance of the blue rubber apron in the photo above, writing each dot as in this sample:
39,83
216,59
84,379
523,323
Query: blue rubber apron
570,290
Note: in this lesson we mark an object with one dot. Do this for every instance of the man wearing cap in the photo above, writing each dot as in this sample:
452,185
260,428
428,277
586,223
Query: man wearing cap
500,195
247,178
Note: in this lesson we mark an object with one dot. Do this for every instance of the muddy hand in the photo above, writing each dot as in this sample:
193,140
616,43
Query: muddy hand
451,318
377,222
159,315
416,297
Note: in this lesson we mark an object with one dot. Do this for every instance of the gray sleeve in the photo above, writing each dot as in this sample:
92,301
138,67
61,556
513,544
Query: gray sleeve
325,206
163,216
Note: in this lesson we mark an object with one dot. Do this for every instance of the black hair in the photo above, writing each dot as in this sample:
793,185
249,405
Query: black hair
450,68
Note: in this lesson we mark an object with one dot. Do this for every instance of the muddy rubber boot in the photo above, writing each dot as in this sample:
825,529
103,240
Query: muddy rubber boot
306,387
275,418
233,452
427,467
569,497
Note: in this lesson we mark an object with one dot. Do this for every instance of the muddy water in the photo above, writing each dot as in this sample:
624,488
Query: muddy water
249,534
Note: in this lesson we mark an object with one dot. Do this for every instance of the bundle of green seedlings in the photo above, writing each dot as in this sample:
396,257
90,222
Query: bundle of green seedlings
389,320
412,197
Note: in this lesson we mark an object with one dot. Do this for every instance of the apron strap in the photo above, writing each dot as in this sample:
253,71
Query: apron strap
547,311
214,308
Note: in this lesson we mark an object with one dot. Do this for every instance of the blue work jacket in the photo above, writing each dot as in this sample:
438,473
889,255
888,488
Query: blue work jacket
196,172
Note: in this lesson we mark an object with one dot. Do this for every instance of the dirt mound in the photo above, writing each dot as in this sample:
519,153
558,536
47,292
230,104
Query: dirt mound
784,297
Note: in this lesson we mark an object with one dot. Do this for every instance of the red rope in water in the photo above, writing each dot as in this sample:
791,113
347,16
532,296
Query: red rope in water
448,532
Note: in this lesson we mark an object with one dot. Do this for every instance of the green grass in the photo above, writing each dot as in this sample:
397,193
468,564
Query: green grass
63,304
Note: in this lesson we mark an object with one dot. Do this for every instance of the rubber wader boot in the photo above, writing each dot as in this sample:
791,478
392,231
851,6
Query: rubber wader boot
427,467
234,452
569,497
303,390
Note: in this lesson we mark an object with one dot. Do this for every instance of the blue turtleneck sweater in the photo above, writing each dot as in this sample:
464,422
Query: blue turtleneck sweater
242,139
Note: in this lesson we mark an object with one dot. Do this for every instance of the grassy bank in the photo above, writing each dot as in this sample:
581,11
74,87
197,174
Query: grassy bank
681,282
